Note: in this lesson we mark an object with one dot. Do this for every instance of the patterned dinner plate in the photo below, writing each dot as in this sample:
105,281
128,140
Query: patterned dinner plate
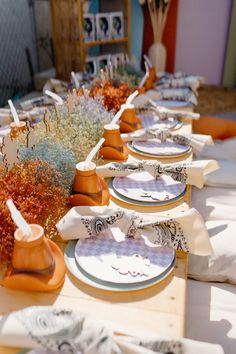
130,261
86,278
154,147
120,198
143,187
149,120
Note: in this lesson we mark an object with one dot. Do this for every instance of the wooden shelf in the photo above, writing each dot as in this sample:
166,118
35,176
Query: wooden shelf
108,41
68,37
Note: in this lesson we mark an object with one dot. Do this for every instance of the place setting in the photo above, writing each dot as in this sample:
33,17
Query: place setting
151,183
114,261
117,250
164,144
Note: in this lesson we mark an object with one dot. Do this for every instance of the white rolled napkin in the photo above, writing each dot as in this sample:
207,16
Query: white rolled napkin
197,141
68,331
185,231
187,172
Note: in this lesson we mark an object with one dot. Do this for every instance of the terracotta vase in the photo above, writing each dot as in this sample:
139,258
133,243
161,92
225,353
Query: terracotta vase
152,74
157,55
33,254
88,187
17,129
129,121
114,148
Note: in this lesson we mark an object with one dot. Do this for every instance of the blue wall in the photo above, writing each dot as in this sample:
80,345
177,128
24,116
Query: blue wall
136,29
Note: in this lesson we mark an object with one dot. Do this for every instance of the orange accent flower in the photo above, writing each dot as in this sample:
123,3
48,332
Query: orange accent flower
33,186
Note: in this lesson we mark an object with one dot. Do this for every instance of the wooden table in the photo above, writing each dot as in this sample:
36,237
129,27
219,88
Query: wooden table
159,309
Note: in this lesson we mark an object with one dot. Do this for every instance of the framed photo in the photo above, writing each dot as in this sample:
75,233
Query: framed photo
91,66
102,61
118,59
103,26
89,27
117,25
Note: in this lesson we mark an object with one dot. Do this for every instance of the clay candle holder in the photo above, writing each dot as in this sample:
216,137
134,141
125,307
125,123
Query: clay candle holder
88,188
129,121
148,83
17,129
114,148
37,262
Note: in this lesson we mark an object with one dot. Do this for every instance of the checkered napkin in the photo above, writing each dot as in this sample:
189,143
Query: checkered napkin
186,172
185,231
197,141
50,330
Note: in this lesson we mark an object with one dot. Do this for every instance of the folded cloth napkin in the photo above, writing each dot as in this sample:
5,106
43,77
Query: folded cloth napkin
163,77
68,331
224,177
145,103
187,172
176,94
191,82
197,141
36,102
223,150
185,231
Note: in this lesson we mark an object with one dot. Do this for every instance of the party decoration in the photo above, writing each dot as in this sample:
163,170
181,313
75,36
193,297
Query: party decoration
114,148
88,187
10,151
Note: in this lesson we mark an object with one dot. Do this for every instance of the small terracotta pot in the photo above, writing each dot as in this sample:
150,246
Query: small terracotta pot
129,115
17,129
88,187
33,254
129,121
114,148
86,179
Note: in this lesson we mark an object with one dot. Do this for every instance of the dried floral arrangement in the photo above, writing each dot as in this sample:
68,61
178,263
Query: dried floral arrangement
129,73
62,159
113,92
69,133
34,188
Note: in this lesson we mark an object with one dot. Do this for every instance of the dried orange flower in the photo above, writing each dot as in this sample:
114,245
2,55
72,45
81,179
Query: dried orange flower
34,188
114,93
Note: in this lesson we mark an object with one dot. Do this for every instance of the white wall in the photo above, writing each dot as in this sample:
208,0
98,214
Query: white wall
202,37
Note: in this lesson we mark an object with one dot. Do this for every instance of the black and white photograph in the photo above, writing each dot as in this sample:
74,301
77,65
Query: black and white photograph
91,66
117,25
89,27
118,59
102,61
103,26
